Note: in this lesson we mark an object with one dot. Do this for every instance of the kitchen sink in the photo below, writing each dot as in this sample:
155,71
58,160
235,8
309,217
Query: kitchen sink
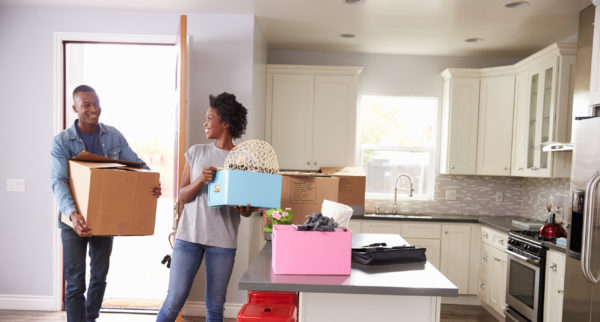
399,216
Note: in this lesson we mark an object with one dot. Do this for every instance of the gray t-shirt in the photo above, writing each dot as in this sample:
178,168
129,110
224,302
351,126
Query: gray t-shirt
199,223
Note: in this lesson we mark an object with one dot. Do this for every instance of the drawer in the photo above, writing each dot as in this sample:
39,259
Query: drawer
494,237
421,230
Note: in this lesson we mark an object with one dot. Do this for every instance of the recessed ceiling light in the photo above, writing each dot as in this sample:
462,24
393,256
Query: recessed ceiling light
516,4
474,40
354,1
347,35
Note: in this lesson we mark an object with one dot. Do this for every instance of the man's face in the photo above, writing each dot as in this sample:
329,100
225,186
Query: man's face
87,107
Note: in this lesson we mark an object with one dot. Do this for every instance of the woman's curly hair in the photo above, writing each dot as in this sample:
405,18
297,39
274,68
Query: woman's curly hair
231,112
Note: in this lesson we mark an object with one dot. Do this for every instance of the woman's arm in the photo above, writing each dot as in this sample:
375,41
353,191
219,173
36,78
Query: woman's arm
189,190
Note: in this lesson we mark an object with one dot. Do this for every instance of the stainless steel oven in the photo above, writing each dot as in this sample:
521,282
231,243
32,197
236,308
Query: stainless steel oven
525,278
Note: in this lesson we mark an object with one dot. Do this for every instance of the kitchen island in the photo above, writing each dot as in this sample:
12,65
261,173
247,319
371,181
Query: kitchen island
398,292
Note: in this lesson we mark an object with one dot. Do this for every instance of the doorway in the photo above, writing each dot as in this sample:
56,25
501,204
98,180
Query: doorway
136,87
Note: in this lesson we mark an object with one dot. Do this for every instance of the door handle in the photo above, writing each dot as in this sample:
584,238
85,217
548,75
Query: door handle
587,231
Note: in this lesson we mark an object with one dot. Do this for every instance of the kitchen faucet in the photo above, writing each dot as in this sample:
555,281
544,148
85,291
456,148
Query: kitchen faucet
410,190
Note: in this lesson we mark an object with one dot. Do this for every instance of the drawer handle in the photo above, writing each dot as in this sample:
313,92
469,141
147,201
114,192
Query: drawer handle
485,258
554,267
482,286
560,291
496,259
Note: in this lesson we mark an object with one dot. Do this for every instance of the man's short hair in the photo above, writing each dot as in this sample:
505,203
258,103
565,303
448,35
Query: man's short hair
82,88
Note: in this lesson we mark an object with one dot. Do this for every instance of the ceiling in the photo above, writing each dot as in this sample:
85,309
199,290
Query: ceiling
409,27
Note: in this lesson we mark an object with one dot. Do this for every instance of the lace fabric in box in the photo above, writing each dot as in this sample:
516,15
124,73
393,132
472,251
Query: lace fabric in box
252,155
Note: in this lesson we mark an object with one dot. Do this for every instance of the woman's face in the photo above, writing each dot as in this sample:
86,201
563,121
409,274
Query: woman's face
213,126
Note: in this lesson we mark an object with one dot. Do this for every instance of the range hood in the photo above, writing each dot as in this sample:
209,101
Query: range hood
556,146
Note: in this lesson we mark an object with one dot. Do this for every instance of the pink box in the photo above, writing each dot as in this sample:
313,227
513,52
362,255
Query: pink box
311,252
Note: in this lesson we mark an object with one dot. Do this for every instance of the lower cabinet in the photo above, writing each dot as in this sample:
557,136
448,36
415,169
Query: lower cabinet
449,246
555,285
492,269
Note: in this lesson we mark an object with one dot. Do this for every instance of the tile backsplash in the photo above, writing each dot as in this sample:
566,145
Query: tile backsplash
486,195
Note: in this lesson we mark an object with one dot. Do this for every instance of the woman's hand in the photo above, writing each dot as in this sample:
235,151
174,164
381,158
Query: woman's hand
245,211
208,173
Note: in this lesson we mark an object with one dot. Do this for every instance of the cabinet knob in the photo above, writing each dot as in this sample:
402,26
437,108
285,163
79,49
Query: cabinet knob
485,258
485,235
315,163
496,259
505,168
452,166
445,232
307,162
521,169
560,291
553,267
482,286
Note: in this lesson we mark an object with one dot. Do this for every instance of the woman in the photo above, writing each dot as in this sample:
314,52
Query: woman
203,231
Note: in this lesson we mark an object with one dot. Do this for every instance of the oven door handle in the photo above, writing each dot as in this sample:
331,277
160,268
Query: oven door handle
532,261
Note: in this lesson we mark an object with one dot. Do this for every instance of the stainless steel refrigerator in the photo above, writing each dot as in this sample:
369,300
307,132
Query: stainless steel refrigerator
582,276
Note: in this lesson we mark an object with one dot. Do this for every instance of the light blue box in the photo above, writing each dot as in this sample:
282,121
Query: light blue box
239,188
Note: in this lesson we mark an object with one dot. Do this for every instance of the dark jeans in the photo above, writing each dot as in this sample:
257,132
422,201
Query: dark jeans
80,309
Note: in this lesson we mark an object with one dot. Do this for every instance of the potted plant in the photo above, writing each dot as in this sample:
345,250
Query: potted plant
277,216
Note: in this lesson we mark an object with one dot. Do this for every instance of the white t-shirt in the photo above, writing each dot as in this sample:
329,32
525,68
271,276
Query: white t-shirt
199,223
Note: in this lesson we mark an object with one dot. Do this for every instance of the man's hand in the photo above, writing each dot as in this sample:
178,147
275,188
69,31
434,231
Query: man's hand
245,211
156,191
79,225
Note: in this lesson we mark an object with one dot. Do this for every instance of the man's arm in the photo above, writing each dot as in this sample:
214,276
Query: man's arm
60,178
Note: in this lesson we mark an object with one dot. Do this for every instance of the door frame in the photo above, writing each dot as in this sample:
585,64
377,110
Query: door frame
58,120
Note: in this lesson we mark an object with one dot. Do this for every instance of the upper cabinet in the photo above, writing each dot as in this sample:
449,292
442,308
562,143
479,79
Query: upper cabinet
543,112
518,109
496,101
311,115
459,121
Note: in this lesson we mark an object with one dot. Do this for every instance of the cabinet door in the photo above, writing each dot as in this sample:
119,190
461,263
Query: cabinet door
555,282
494,141
432,249
520,125
381,227
292,120
459,126
456,249
483,291
334,121
497,280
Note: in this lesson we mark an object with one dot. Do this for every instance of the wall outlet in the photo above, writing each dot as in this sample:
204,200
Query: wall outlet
15,185
499,196
450,194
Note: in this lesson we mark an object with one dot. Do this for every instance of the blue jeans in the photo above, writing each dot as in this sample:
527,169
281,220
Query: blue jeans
80,309
185,263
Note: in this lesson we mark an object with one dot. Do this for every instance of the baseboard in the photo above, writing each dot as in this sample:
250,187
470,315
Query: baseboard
27,302
462,300
498,316
198,308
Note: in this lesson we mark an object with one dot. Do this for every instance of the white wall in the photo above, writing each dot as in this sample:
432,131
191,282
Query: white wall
220,60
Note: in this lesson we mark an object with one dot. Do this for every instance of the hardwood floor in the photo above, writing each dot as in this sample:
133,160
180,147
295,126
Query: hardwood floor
450,313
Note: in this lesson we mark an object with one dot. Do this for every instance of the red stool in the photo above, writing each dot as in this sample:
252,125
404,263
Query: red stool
268,297
267,313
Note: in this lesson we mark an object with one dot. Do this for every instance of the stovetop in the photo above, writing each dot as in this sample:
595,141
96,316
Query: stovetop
533,235
527,242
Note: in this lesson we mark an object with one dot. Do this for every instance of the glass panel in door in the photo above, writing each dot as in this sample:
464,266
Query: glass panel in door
546,114
532,121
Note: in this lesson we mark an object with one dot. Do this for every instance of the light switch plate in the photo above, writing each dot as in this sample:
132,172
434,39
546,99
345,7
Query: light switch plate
15,185
450,194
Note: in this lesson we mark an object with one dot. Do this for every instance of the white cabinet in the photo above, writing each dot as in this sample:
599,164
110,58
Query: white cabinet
425,235
494,141
493,268
455,255
382,227
432,248
542,112
459,121
355,226
311,115
554,289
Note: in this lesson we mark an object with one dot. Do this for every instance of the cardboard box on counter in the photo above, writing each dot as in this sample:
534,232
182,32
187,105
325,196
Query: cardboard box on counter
239,188
113,197
305,192
351,190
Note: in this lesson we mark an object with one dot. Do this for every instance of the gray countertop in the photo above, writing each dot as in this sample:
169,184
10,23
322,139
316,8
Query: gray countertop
501,223
396,279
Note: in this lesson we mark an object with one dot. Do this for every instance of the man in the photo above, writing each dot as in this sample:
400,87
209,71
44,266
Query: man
89,134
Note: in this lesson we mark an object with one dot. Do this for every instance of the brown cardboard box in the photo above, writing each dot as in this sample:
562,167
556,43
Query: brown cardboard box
351,188
114,199
304,193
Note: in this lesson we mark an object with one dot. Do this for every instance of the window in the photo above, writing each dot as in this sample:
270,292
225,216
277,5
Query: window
398,137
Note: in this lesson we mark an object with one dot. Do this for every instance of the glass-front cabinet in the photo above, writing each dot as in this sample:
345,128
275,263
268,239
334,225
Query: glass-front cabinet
541,116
